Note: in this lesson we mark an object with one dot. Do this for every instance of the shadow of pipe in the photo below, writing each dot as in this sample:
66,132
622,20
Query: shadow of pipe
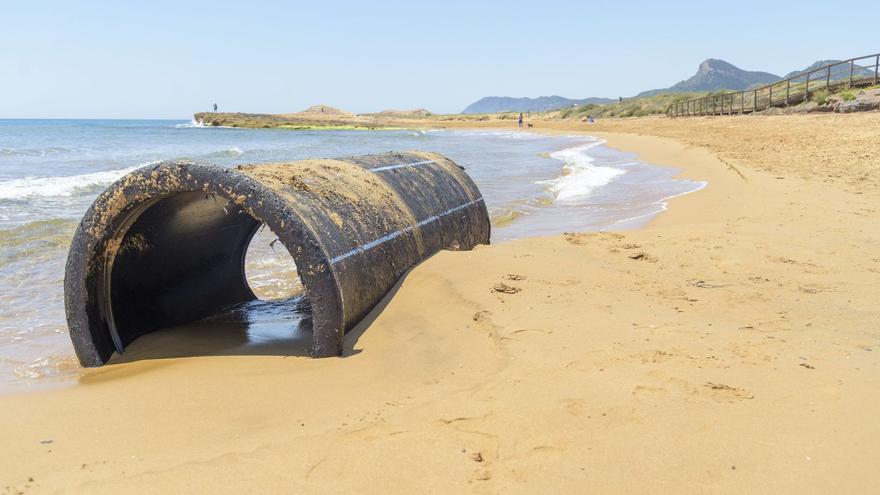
353,336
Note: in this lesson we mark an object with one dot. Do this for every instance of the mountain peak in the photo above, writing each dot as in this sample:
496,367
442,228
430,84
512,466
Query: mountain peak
715,65
713,75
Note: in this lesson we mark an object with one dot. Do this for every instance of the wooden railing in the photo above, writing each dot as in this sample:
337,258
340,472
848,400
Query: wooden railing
789,91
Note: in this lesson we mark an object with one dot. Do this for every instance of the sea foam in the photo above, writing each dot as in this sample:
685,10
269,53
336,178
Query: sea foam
191,124
68,185
580,176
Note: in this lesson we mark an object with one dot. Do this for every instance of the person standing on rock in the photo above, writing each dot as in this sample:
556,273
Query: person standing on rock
215,107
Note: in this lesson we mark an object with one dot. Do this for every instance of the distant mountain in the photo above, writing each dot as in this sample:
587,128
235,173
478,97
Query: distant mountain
836,71
714,75
495,104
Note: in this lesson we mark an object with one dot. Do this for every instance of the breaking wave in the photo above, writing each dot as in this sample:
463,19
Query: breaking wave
580,176
190,124
68,185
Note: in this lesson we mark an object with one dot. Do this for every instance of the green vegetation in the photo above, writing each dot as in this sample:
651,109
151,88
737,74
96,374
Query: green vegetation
823,97
820,97
630,107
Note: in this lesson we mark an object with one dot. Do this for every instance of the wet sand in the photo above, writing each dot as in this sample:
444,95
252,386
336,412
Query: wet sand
730,347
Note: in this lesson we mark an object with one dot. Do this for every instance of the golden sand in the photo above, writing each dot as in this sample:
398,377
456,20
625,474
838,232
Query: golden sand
731,347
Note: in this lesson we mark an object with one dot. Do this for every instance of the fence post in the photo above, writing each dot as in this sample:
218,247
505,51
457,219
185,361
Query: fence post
828,80
876,69
742,102
770,100
852,67
807,88
787,92
755,101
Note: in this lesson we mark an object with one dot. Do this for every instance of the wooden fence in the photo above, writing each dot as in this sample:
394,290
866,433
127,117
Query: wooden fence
789,91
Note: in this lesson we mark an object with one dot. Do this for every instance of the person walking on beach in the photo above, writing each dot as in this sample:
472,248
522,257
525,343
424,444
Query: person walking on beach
215,108
520,119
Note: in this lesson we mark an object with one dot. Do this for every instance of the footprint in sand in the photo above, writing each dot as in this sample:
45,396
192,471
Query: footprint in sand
815,289
481,315
505,289
720,391
643,256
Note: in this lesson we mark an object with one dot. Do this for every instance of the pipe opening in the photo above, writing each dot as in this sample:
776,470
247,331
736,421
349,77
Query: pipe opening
192,259
269,268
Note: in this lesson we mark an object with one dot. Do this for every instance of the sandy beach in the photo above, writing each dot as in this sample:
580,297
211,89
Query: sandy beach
732,346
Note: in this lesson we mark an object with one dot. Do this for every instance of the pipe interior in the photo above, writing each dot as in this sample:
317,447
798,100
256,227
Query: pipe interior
180,260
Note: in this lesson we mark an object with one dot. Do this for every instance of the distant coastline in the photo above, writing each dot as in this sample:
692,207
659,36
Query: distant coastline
294,121
313,118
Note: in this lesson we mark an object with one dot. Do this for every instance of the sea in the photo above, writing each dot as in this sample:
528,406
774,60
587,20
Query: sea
52,170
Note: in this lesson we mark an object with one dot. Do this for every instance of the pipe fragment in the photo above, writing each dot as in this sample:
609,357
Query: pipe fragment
165,245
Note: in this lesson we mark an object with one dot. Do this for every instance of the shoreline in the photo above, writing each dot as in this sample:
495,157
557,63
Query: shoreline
730,346
664,153
56,368
596,201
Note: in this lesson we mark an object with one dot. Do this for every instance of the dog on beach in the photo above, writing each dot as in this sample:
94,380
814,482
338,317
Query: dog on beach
530,125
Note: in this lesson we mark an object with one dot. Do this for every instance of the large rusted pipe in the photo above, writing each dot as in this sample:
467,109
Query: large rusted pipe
165,245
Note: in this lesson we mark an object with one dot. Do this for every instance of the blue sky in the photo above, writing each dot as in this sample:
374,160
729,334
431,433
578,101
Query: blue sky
168,59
